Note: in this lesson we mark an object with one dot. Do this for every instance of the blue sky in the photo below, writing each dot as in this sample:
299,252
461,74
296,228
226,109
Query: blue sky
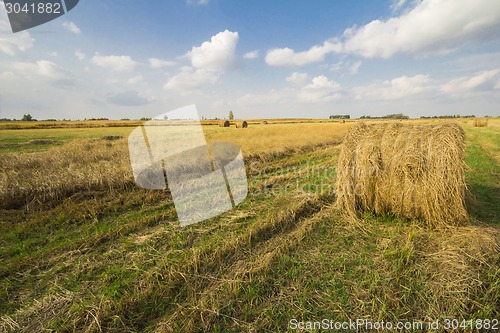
141,58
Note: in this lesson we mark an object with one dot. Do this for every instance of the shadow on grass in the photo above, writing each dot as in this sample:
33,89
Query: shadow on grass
482,203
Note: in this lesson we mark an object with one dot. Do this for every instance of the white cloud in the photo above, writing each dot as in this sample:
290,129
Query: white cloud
10,43
288,57
135,79
354,68
251,55
297,78
483,81
191,79
79,55
321,89
40,73
397,88
208,61
50,70
397,5
43,68
198,2
115,63
431,26
216,55
156,63
72,27
336,66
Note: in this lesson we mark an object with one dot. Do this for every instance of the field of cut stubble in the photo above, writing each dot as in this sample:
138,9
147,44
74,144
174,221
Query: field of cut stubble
83,249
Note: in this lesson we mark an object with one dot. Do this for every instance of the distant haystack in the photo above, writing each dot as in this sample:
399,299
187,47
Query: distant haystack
241,124
224,123
413,171
480,122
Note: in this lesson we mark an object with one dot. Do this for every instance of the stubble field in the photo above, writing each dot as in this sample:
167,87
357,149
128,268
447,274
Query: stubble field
83,249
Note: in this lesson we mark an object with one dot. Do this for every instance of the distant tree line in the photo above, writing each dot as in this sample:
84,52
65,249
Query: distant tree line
340,116
389,116
448,116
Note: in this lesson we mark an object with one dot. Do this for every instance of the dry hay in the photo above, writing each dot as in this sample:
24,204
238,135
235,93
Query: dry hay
480,122
241,124
412,171
38,316
224,123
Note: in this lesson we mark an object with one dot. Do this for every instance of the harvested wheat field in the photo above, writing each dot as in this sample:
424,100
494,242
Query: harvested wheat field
83,249
412,171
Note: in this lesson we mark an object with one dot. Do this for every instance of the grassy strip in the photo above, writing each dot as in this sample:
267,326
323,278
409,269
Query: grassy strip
482,177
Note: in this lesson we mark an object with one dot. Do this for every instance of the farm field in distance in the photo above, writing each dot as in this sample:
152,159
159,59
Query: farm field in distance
82,248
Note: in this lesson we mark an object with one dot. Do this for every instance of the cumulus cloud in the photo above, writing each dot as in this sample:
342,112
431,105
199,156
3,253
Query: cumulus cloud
191,79
115,63
397,5
287,57
135,79
128,98
49,69
354,68
156,63
321,89
208,61
251,55
482,81
400,87
11,44
297,78
79,55
72,27
44,68
431,26
217,55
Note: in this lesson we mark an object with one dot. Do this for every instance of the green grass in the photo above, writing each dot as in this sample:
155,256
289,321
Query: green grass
18,140
119,262
483,174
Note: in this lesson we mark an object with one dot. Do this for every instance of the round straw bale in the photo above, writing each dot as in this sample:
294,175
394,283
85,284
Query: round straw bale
241,124
224,123
413,171
480,122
